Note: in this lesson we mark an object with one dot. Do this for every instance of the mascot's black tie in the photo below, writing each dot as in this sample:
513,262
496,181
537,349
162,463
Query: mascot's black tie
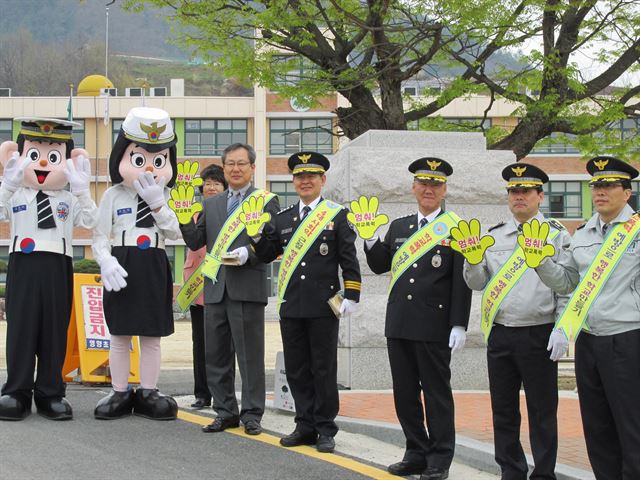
144,219
45,214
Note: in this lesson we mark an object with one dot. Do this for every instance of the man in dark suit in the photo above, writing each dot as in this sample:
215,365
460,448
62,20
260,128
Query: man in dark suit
427,316
315,239
234,304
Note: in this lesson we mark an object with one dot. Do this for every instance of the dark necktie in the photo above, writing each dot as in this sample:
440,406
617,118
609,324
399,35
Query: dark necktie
605,227
520,227
45,214
423,222
234,201
305,211
144,219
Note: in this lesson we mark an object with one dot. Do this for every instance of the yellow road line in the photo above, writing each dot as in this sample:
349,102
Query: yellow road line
343,462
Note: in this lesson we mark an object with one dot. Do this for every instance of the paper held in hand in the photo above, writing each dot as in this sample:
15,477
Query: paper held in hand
230,260
335,303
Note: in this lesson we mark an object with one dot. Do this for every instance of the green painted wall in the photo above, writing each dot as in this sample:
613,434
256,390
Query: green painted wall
179,129
587,204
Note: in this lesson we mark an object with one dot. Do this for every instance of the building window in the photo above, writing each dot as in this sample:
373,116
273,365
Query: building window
115,129
286,193
6,130
78,252
78,134
171,255
211,137
562,200
297,68
634,200
295,135
556,143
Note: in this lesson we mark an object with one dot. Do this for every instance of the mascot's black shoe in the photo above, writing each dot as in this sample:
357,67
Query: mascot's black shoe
14,408
150,403
54,408
115,405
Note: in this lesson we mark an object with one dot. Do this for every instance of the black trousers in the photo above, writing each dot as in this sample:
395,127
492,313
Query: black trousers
39,294
200,388
518,356
311,361
608,378
423,367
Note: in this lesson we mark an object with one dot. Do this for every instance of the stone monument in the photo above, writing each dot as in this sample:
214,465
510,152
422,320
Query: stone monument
376,163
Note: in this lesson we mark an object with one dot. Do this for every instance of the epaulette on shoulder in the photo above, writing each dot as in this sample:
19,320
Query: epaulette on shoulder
497,226
286,209
581,226
555,224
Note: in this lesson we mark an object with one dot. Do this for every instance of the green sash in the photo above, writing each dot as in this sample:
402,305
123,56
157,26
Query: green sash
420,243
302,239
605,261
228,233
501,284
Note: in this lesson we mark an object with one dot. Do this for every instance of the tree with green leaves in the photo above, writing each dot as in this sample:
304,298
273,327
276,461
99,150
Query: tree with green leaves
366,49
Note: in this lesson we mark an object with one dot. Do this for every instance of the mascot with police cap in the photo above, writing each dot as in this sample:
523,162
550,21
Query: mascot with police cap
129,244
42,214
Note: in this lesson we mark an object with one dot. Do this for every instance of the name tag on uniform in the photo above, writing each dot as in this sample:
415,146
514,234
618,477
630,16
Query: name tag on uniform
19,208
401,240
329,226
446,242
286,230
123,211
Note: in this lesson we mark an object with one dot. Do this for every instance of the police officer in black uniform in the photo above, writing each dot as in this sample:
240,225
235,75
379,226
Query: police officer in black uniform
308,325
427,315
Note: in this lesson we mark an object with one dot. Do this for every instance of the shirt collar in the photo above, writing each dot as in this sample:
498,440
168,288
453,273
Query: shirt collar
312,205
242,191
30,193
514,224
429,217
623,216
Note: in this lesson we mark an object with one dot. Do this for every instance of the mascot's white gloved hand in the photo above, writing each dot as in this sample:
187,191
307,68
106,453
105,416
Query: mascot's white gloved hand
14,173
457,339
149,190
558,344
113,275
78,175
242,253
347,308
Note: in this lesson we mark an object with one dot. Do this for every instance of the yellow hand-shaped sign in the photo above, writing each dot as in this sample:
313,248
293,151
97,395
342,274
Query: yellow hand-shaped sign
364,217
187,174
533,241
253,216
182,204
467,241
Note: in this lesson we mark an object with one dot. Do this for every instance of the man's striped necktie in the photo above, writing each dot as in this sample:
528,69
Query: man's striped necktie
144,219
233,203
45,214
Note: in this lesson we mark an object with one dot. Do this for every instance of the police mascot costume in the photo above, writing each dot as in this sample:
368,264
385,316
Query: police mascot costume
42,214
133,223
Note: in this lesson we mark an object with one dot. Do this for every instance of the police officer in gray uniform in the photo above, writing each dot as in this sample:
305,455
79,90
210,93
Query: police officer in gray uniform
517,344
608,348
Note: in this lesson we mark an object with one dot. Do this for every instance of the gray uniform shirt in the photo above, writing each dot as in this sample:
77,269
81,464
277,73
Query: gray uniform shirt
617,308
529,302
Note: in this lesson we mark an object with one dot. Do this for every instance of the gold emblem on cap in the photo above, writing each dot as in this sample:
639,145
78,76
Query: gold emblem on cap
518,170
305,158
601,164
433,164
153,131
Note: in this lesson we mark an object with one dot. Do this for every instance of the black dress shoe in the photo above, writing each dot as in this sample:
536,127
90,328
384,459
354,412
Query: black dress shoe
252,427
14,408
115,405
433,473
200,403
221,424
150,403
54,408
326,444
406,467
298,438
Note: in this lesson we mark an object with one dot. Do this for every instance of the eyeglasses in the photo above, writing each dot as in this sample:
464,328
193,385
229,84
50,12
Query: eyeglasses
240,165
605,186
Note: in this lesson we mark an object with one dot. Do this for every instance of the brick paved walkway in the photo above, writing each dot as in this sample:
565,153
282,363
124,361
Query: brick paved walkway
473,420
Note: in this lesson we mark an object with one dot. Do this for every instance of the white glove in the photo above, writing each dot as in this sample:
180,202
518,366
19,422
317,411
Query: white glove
78,177
242,253
347,308
150,191
558,344
14,172
457,339
113,275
